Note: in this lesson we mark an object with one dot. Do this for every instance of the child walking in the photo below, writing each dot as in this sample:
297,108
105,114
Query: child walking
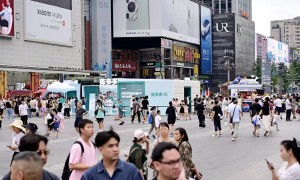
256,124
157,123
186,111
56,122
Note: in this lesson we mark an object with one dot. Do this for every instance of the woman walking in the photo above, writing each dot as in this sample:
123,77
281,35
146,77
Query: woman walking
216,118
185,150
266,117
80,112
99,115
171,112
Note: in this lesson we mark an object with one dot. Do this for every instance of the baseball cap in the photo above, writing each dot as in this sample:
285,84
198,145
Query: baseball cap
139,134
33,127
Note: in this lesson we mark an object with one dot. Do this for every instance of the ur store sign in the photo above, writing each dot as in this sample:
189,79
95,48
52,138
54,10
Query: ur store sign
123,66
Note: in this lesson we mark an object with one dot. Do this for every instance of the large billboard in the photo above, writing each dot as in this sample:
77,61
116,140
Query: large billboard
175,19
278,52
206,41
48,21
7,18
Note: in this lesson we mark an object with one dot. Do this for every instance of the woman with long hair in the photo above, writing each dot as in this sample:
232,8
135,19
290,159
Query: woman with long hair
185,150
290,154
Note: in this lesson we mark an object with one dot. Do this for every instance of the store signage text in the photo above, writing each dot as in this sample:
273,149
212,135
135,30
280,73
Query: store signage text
108,81
159,94
224,27
125,66
20,86
180,53
128,95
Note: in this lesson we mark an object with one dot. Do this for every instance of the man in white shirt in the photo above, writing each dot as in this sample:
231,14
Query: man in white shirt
236,114
288,106
32,104
278,104
23,112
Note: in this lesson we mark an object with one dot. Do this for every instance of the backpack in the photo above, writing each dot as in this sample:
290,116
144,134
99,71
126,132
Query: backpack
150,118
67,171
130,153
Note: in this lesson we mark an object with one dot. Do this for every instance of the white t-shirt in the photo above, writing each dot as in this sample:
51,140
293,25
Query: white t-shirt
236,115
291,173
288,104
157,120
278,102
23,109
16,140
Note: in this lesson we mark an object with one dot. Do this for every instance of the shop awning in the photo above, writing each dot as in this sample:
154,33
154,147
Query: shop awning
245,86
21,92
40,91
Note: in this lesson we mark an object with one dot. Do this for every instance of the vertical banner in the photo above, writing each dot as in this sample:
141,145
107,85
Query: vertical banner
102,59
206,41
92,104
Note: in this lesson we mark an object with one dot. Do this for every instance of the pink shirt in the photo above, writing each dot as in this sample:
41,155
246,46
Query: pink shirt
88,158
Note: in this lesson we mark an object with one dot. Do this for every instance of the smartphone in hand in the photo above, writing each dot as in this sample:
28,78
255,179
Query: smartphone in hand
268,163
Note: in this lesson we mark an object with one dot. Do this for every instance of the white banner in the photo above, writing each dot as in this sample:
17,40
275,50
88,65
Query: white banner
176,19
47,23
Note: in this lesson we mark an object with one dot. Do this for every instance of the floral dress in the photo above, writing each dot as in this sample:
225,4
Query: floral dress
185,151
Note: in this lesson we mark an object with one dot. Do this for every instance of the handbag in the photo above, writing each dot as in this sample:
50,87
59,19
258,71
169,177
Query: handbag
231,118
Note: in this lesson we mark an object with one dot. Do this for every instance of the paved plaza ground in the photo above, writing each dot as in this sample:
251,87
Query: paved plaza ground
218,158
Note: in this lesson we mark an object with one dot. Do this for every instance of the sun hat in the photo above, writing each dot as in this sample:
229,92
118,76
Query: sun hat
33,127
18,124
139,134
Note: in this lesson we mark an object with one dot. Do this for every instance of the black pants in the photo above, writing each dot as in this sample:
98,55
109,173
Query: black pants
138,114
67,112
201,119
288,114
0,124
217,124
24,119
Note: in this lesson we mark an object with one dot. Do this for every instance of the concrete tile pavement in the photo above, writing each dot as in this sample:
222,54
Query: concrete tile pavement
216,157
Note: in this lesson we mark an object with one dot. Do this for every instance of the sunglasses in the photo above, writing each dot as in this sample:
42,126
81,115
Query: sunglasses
45,152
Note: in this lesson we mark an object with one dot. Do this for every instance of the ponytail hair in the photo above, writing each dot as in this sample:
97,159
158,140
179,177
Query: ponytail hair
294,145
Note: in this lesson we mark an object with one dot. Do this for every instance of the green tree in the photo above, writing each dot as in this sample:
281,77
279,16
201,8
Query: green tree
256,70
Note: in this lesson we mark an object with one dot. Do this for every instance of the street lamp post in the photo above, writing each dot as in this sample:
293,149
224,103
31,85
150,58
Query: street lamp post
228,56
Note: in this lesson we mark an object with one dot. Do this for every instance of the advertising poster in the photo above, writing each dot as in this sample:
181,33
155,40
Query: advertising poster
278,51
175,19
7,18
48,21
102,62
206,41
127,89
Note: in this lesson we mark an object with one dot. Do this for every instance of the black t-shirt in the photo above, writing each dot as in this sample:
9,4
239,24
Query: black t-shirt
266,110
217,110
200,109
145,104
255,108
8,104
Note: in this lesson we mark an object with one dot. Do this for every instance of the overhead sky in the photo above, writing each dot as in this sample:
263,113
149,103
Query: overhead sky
263,11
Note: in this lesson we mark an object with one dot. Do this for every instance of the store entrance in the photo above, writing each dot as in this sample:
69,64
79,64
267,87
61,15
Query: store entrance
187,96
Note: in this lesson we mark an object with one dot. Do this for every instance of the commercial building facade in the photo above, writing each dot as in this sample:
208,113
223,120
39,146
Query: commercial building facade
47,43
234,33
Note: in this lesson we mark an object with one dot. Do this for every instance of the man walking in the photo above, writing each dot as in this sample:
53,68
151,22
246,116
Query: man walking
111,167
200,113
196,99
80,162
288,107
166,161
23,111
9,110
278,105
236,114
145,108
136,110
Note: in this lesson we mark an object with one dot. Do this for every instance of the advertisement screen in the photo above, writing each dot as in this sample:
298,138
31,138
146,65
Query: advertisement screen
206,41
176,19
7,18
278,52
48,21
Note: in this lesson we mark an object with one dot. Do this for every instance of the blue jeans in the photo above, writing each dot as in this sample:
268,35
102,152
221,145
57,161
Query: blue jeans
10,113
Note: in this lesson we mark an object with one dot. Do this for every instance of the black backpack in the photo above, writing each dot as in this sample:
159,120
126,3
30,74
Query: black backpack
67,171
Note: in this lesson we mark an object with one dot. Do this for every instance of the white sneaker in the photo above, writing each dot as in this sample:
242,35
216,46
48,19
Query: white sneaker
233,139
214,135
